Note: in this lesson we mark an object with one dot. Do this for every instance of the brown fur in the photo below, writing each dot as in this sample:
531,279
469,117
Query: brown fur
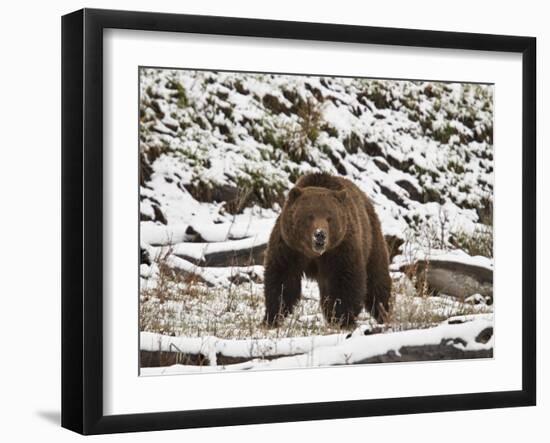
352,271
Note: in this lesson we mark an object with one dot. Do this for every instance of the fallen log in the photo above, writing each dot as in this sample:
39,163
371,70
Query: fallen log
215,276
247,255
443,351
154,359
235,257
456,279
458,338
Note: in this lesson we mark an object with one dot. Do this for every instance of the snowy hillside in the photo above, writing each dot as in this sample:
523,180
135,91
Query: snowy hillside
219,151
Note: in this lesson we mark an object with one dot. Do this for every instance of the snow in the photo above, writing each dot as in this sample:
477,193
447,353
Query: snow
241,226
200,153
434,255
154,234
251,348
318,351
214,276
199,250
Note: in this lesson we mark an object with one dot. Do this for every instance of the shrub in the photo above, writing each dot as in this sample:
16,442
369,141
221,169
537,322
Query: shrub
479,242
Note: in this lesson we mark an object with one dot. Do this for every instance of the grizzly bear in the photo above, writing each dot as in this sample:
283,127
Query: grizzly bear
329,231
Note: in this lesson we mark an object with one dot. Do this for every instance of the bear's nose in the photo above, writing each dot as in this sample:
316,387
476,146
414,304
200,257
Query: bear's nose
319,236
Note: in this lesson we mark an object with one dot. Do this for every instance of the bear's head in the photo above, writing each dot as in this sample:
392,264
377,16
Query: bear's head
314,220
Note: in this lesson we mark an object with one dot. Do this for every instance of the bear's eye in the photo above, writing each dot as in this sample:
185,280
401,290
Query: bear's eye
329,219
310,217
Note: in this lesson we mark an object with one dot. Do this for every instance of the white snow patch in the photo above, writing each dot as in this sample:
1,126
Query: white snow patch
318,351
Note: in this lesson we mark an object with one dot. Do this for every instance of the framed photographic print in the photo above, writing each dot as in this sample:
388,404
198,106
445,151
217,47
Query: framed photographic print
270,221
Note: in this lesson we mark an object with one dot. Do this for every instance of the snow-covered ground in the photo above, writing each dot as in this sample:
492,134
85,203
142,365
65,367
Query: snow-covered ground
218,153
469,335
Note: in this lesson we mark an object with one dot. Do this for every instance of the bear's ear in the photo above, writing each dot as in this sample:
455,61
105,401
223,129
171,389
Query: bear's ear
341,195
294,194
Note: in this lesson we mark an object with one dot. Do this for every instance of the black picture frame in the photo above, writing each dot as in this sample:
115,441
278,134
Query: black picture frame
82,220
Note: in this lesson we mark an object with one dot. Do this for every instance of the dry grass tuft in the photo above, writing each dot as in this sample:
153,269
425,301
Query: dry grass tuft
480,242
413,307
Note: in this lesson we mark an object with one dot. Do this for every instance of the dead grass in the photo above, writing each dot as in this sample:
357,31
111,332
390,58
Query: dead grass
413,304
181,305
413,307
178,304
479,242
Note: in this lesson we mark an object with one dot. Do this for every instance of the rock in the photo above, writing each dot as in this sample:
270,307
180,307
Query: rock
144,256
316,92
216,193
159,216
393,196
485,335
274,105
373,149
353,143
381,163
145,217
337,163
413,192
241,89
193,236
403,165
225,193
145,169
157,107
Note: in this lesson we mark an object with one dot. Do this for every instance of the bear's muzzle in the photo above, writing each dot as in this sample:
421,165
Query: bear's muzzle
319,241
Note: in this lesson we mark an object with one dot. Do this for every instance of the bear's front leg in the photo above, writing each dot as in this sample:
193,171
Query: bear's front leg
282,290
377,302
342,293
